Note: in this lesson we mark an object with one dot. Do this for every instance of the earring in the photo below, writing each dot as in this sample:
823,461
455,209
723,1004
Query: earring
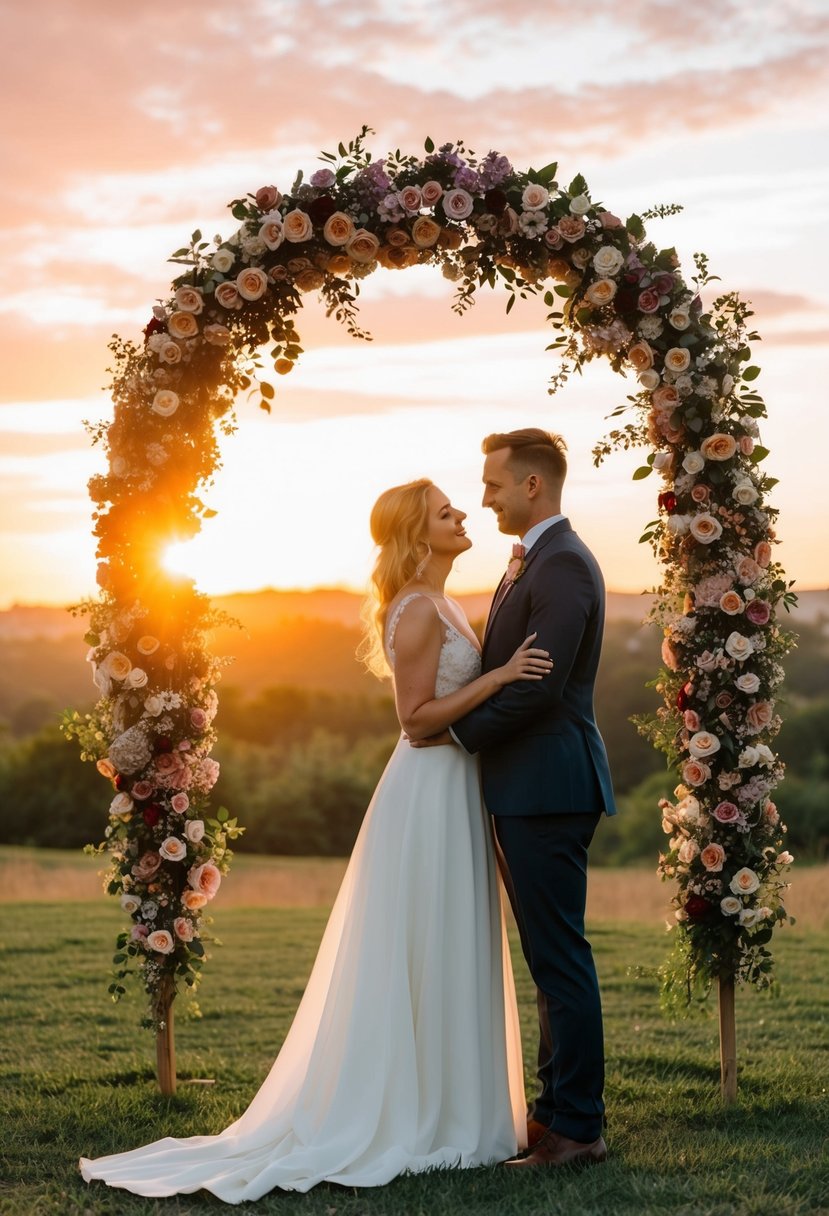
421,566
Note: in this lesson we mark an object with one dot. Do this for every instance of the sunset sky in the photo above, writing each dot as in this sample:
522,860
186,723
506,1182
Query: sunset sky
127,126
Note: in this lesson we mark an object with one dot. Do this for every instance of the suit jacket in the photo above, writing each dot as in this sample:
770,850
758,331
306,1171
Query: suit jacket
541,751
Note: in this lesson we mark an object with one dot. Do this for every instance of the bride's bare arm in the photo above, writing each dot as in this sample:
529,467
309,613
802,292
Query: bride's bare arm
417,644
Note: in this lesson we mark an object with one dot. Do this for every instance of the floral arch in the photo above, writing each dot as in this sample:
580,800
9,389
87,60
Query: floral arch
610,292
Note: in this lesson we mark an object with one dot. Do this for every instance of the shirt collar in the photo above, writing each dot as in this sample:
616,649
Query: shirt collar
537,530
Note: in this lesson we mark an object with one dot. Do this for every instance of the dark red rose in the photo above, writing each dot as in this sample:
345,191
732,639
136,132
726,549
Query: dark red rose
154,327
118,781
322,208
698,908
151,814
626,300
668,501
496,201
163,744
682,699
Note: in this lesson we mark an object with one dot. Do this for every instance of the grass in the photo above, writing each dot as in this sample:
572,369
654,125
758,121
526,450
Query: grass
77,1078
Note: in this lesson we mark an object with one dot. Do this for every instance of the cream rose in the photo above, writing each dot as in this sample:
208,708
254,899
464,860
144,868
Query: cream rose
298,226
137,678
227,295
153,706
730,905
679,319
339,229
190,299
165,403
649,378
718,447
222,260
252,283
705,528
580,205
677,359
194,830
608,260
738,646
362,246
744,882
687,851
182,325
272,232
122,807
745,492
748,683
693,462
703,744
173,849
425,232
130,903
535,197
161,942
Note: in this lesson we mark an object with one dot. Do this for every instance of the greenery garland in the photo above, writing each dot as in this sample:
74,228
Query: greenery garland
613,294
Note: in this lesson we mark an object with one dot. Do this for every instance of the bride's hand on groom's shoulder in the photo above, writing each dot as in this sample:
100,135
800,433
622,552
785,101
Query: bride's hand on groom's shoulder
440,740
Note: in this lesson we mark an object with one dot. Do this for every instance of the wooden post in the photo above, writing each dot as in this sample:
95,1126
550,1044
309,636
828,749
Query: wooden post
728,1041
165,1043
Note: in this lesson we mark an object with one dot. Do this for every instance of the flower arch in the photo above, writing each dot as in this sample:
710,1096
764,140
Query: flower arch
610,292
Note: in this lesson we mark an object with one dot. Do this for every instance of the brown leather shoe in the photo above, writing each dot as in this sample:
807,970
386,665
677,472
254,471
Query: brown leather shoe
555,1149
535,1131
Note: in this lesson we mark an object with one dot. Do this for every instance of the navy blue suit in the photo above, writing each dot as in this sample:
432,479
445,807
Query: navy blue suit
547,782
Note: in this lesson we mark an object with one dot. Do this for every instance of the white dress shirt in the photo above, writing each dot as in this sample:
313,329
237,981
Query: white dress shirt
537,530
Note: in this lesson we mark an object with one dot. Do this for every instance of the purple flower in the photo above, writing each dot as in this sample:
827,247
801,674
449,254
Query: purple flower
466,179
322,179
493,169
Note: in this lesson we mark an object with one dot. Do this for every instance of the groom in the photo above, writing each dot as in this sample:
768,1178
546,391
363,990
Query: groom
546,780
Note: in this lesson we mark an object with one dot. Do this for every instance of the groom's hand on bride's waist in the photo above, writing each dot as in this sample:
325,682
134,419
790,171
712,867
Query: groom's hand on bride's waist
440,740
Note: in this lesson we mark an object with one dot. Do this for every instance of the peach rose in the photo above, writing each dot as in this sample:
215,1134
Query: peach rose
535,197
252,283
759,715
571,228
192,900
601,292
190,299
640,356
310,280
106,768
718,447
116,665
227,295
665,398
744,882
396,236
216,335
677,359
712,857
425,232
762,553
562,271
339,229
703,744
272,232
669,655
183,929
695,773
161,942
205,878
182,325
165,403
362,246
397,257
731,603
298,226
170,352
339,264
705,528
747,571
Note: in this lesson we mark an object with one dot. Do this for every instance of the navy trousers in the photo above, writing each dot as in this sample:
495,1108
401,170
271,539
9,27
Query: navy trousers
546,879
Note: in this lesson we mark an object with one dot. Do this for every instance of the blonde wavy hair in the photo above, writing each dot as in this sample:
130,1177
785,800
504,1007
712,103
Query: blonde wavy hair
398,525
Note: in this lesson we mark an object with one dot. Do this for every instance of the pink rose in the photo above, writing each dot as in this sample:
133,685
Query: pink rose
748,571
198,719
552,238
746,445
161,942
665,398
727,812
608,220
762,553
323,178
205,879
700,492
707,662
227,295
183,929
712,857
691,719
410,199
648,301
758,611
142,790
179,803
457,204
431,193
770,813
759,715
146,866
267,197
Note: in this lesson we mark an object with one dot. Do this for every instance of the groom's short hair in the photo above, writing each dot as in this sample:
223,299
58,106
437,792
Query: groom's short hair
531,451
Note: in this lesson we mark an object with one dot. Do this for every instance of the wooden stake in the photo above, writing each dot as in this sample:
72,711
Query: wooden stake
728,1041
165,1043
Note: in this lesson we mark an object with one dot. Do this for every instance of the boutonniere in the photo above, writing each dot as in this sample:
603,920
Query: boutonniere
516,566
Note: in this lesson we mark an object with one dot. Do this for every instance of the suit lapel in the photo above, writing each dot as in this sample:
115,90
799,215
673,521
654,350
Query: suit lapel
544,539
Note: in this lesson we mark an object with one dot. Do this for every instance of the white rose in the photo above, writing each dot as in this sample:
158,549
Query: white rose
222,260
608,260
744,882
680,318
730,906
194,830
748,757
703,744
749,917
130,903
122,806
137,678
678,525
580,205
661,460
165,402
173,849
693,462
272,232
749,682
153,706
738,646
649,378
745,492
535,197
764,754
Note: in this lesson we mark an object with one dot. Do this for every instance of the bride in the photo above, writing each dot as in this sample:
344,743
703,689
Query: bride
404,1054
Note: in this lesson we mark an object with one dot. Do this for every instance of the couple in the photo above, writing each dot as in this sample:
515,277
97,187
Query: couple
404,1054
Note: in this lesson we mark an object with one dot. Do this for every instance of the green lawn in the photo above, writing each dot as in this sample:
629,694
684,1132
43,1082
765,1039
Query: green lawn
77,1079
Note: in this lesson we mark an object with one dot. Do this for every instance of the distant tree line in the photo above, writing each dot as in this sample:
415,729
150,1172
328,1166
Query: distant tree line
298,765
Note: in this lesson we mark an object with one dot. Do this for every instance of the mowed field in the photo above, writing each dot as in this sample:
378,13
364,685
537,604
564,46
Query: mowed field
77,1074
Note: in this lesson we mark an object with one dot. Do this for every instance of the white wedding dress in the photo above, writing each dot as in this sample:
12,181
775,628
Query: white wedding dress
404,1054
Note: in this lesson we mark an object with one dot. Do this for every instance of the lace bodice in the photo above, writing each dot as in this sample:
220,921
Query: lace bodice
459,661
